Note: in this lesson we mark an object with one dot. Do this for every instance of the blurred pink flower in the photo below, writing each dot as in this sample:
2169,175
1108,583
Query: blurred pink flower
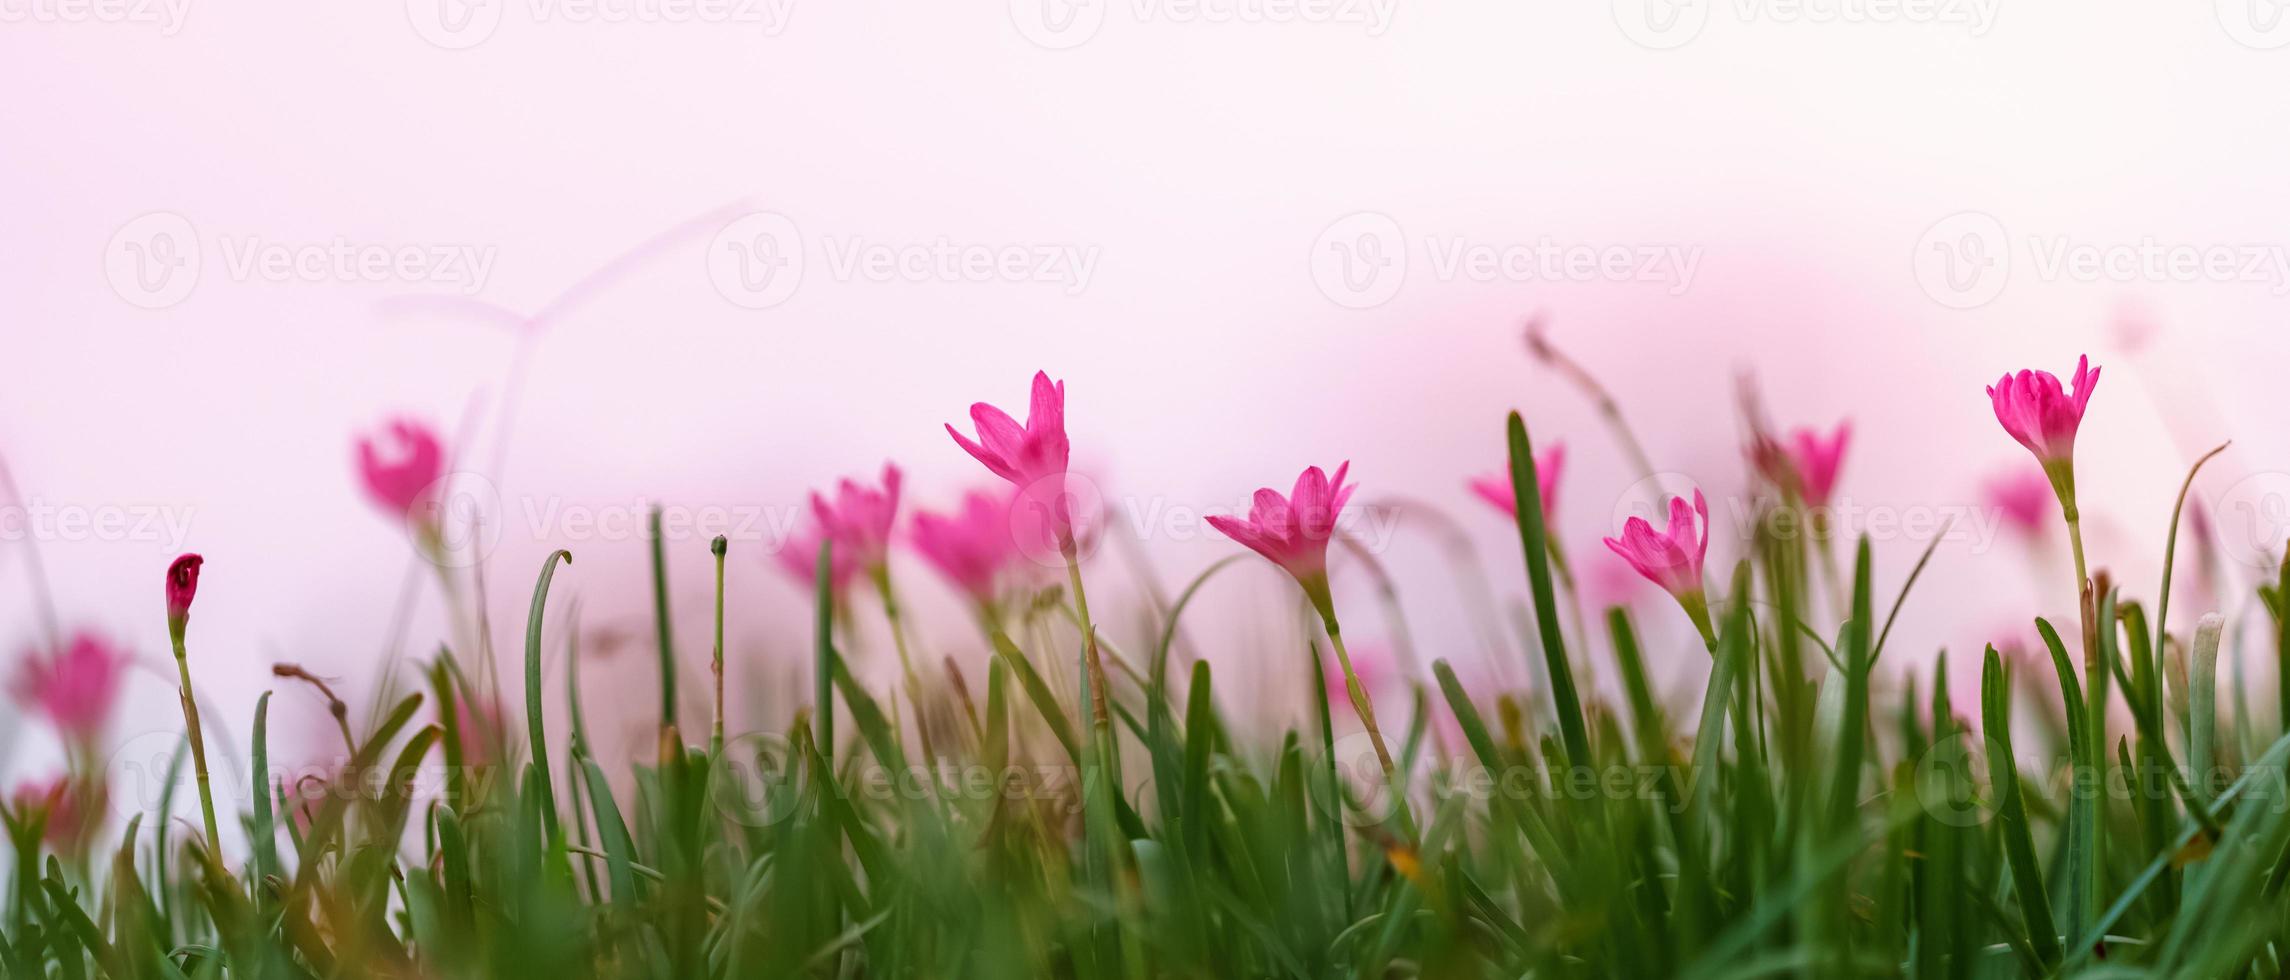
2023,497
1673,558
800,557
2042,414
861,518
1294,531
74,687
64,805
970,546
1496,488
182,587
1817,461
1033,457
401,466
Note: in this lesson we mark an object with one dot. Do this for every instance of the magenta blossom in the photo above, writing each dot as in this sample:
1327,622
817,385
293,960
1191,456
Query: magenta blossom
1817,461
800,557
1673,558
970,546
1033,457
401,466
1294,531
63,804
182,587
861,518
1496,489
2041,414
75,687
2025,499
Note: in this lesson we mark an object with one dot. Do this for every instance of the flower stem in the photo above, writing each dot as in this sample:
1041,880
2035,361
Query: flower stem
716,739
1090,660
1359,695
198,750
882,576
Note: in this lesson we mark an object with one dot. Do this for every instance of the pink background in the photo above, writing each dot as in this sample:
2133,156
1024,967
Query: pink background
1804,162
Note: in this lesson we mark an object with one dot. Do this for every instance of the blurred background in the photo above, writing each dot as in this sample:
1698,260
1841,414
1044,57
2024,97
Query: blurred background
713,254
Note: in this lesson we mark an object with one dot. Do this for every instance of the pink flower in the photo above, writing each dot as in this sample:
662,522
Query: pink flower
402,466
2025,499
1294,531
970,546
182,587
1673,558
861,518
75,687
61,802
1817,461
1496,489
800,557
1032,457
2040,413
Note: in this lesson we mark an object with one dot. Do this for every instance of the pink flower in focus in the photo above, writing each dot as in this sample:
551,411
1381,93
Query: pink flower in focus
1673,558
2024,498
182,587
1293,531
861,518
75,687
401,466
1032,457
2040,413
970,546
1817,461
800,557
1496,488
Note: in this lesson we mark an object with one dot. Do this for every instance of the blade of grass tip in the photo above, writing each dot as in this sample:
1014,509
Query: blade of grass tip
660,620
539,747
823,650
2202,702
2019,845
2171,545
1844,796
1534,539
265,843
1902,598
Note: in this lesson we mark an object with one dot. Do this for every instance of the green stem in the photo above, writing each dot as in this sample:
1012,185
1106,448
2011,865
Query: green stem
1359,695
716,739
198,750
